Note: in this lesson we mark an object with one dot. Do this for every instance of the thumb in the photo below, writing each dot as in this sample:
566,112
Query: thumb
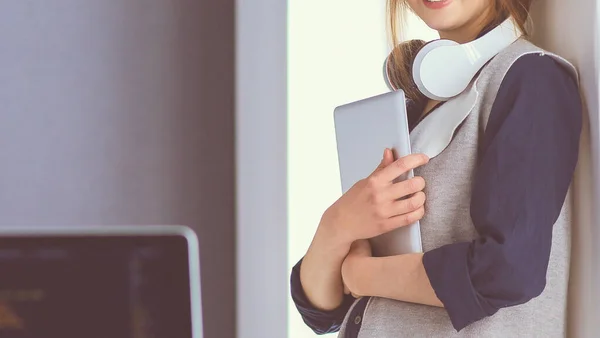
387,159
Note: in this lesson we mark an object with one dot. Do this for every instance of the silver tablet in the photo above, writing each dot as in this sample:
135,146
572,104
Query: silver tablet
363,130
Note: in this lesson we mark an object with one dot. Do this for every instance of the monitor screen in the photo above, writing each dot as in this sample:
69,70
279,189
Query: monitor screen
94,287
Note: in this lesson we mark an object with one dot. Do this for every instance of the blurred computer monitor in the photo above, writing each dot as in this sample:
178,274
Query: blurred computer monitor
99,282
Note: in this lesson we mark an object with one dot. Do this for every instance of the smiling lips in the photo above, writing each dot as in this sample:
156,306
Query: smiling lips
436,4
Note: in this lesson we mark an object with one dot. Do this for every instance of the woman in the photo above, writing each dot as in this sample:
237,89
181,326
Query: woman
496,233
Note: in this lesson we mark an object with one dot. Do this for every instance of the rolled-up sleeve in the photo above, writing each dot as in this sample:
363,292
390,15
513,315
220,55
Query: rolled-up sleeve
527,160
321,322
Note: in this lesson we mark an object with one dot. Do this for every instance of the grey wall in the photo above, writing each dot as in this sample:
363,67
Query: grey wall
571,30
121,112
261,157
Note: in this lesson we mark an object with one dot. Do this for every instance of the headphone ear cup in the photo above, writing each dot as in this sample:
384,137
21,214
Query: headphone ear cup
422,74
444,68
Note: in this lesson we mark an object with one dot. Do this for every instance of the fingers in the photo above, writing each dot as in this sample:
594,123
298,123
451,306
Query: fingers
399,167
386,202
408,205
404,188
402,220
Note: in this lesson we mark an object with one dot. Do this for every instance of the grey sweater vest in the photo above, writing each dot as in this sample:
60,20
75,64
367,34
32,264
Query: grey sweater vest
449,176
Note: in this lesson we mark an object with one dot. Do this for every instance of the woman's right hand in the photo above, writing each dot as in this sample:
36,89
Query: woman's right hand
375,205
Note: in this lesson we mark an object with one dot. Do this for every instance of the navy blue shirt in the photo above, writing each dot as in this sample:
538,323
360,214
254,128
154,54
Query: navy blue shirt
526,162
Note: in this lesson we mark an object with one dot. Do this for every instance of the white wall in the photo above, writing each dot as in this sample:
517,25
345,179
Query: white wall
571,30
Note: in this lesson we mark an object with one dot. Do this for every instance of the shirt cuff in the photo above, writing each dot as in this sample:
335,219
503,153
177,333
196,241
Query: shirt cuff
321,322
448,273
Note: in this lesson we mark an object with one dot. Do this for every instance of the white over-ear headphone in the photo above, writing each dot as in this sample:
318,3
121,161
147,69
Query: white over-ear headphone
443,68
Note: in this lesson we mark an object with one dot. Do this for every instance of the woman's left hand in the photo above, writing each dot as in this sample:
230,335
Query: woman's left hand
359,250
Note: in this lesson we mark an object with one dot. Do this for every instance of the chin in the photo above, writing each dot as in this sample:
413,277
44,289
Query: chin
446,19
441,23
